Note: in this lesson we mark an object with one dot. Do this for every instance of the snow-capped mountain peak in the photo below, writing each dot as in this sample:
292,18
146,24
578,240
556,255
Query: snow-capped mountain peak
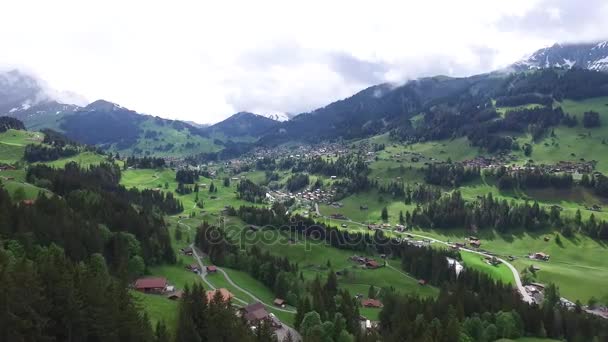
592,56
279,116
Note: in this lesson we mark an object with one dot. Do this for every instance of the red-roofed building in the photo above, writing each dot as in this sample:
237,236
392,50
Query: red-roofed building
371,264
151,285
226,295
211,269
371,303
28,202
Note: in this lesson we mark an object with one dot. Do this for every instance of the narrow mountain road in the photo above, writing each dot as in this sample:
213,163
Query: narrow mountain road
520,288
282,332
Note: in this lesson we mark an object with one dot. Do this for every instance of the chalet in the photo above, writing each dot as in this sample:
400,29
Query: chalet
211,269
254,313
175,295
151,285
226,295
371,264
187,251
475,243
421,282
371,303
279,302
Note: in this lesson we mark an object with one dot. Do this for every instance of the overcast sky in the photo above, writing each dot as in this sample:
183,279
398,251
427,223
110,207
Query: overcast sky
204,60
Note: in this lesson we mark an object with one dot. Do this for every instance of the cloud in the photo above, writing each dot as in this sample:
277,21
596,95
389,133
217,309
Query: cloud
562,20
203,61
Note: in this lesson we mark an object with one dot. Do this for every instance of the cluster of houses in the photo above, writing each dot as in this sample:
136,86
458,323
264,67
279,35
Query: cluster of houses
507,160
317,195
473,241
365,262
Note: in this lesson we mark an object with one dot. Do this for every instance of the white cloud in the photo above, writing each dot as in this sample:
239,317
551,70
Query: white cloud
202,61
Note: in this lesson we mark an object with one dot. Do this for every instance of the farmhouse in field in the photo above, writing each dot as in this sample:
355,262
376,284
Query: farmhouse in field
151,285
371,303
279,302
211,269
540,256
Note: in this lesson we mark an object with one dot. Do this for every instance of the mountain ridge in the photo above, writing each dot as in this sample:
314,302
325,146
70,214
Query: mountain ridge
592,56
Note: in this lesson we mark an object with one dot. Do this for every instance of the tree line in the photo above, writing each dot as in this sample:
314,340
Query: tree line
94,195
452,211
529,178
523,99
450,174
7,122
47,296
250,192
43,153
473,307
145,163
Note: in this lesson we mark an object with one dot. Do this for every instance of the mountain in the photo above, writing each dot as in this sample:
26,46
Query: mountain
592,56
120,129
379,108
29,99
447,106
243,124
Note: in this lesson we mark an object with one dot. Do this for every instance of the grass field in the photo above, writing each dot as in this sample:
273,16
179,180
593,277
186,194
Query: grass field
313,258
158,308
577,266
478,262
13,142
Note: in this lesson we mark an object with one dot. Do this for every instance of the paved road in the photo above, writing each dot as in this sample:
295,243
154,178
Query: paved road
282,332
520,288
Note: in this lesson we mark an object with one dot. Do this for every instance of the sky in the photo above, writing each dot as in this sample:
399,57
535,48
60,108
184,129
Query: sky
205,60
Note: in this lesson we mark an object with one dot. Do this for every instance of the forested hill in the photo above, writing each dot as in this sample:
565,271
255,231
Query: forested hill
451,103
243,124
7,123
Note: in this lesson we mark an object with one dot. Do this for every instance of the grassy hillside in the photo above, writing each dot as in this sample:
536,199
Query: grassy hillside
13,142
161,139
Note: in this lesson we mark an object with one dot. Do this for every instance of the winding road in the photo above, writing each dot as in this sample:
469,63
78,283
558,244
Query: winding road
281,333
520,287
